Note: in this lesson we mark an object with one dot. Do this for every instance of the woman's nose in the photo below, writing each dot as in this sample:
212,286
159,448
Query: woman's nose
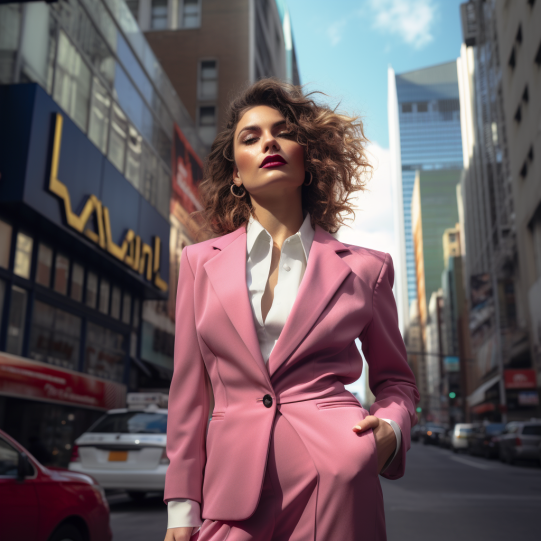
270,143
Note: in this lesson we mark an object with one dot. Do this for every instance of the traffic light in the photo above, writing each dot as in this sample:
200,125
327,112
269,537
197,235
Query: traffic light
452,394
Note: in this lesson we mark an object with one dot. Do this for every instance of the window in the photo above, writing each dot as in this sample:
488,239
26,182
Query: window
104,353
131,423
23,255
17,315
115,302
207,124
61,272
104,296
126,308
190,14
9,459
422,107
77,279
208,79
134,8
406,108
525,95
5,244
72,82
158,15
133,157
55,336
100,108
512,58
117,138
91,290
518,115
45,262
136,307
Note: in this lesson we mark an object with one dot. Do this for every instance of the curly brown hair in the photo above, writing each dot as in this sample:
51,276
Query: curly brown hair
334,149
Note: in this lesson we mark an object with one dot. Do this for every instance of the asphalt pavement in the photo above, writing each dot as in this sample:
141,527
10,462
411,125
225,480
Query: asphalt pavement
442,497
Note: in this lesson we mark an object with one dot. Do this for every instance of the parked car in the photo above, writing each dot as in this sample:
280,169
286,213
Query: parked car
432,434
484,440
416,432
47,504
125,449
520,440
459,439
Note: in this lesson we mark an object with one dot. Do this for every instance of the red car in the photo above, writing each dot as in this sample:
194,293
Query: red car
47,504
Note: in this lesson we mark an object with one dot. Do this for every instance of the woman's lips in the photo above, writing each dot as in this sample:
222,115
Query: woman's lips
272,164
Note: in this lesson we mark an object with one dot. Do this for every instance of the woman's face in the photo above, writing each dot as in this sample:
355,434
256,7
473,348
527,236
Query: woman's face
268,160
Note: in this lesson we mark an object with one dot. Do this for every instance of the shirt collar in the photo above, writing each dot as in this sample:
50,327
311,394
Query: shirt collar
254,229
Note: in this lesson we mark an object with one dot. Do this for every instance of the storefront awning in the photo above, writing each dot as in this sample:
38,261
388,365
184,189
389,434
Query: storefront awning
478,395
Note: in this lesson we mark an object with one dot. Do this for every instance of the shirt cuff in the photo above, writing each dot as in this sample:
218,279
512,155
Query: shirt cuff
183,514
398,434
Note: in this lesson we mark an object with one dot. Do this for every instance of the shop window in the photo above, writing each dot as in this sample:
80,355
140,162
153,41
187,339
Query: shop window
208,80
77,280
100,107
117,138
207,124
104,353
136,309
45,263
5,243
158,15
61,272
115,302
72,82
104,297
23,255
91,290
17,316
55,336
126,308
190,14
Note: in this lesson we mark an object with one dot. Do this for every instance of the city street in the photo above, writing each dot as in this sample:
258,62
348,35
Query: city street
443,497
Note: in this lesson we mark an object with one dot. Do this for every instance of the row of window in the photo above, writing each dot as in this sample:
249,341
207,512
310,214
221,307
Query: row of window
207,89
154,15
56,271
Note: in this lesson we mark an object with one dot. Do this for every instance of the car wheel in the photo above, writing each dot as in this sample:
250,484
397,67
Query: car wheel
137,496
67,532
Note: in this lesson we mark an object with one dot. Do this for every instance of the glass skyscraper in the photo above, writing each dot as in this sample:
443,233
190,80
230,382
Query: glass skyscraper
426,107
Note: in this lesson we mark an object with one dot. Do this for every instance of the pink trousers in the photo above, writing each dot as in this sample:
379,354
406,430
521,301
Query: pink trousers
295,507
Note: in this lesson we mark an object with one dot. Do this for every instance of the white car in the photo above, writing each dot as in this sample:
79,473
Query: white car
459,438
125,449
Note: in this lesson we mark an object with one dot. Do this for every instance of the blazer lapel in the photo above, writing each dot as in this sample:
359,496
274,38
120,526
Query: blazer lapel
325,273
227,274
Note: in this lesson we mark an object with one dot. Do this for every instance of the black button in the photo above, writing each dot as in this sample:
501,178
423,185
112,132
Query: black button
267,400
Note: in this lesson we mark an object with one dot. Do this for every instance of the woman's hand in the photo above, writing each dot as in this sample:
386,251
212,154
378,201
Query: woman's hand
179,534
383,434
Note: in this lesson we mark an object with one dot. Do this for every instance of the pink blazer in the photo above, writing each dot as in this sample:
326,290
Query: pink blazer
346,293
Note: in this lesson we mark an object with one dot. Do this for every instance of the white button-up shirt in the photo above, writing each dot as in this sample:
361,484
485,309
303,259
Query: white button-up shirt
293,260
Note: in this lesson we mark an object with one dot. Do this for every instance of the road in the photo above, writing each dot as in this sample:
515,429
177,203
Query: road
442,497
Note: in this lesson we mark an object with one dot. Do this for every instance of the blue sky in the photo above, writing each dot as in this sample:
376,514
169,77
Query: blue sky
344,48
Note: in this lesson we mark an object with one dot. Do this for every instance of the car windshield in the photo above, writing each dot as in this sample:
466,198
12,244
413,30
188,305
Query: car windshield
495,429
465,430
532,430
132,422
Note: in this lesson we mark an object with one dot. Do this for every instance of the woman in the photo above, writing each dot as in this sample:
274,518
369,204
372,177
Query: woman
266,322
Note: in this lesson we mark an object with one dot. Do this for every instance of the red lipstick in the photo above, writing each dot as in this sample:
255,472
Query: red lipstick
273,161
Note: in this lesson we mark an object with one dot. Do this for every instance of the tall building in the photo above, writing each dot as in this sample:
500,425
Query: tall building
88,125
500,189
424,128
210,49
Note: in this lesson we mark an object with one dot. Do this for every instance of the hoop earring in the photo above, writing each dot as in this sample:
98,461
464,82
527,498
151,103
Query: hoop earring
311,178
232,190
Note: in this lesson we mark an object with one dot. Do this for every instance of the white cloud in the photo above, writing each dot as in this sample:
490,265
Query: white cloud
411,20
335,32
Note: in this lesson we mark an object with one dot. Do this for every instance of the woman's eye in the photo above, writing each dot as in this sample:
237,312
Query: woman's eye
250,140
285,134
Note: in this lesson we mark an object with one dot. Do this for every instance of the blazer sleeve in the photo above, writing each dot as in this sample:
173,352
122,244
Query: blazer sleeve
390,377
188,398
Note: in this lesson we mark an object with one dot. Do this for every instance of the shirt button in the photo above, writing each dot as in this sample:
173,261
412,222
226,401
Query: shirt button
287,267
267,400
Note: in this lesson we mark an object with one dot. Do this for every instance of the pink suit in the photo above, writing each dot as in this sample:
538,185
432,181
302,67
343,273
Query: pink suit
248,456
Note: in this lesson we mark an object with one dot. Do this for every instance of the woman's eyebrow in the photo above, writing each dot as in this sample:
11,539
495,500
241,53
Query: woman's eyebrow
256,128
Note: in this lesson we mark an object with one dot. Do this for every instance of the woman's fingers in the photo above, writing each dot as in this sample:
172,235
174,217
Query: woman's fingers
370,421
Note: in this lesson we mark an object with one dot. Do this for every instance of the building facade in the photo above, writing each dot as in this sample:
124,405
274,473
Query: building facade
88,124
222,45
497,71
